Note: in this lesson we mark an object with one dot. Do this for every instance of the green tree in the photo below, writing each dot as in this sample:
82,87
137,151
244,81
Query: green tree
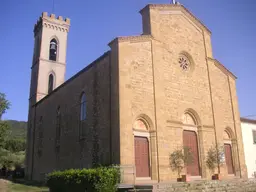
4,126
180,158
15,145
215,157
4,104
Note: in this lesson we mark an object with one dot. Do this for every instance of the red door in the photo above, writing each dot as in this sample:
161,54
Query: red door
141,156
228,157
190,140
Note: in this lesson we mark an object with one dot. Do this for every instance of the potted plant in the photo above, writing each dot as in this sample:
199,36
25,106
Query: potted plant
215,158
179,159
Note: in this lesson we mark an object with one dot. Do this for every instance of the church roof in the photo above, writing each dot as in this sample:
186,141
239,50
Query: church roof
247,120
74,76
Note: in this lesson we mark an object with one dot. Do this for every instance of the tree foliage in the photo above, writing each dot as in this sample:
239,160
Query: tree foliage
180,158
4,104
15,145
215,157
12,150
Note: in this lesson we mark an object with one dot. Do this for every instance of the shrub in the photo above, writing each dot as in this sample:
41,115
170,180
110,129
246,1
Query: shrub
101,179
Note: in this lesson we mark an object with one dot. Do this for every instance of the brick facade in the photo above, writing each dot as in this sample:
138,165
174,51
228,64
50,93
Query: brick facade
141,78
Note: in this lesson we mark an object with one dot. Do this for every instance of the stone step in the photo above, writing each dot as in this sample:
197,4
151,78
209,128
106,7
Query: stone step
135,188
236,185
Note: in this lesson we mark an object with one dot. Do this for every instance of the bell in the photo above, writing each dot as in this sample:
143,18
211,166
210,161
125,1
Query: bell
53,46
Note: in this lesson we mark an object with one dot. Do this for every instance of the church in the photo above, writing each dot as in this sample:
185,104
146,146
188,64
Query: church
147,96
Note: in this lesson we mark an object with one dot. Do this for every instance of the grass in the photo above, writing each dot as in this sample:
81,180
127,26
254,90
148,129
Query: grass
17,187
21,186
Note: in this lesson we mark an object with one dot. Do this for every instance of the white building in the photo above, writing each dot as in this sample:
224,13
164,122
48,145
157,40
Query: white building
248,127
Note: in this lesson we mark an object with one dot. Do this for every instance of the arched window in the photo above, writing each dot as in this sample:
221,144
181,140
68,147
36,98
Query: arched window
50,83
53,50
40,137
83,107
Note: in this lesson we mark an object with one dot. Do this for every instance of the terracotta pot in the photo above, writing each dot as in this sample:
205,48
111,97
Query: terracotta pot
179,179
185,178
216,177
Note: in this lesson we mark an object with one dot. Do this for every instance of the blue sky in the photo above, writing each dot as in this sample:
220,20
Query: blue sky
95,23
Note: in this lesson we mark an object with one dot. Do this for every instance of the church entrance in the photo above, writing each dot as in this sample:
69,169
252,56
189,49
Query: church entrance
228,157
141,146
190,140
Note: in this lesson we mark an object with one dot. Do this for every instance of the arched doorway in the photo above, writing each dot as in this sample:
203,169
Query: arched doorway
228,152
141,148
190,141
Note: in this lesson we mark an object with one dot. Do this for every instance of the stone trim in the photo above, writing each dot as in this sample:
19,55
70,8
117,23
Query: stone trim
176,7
146,131
55,62
41,59
222,68
191,128
142,134
174,122
207,126
133,39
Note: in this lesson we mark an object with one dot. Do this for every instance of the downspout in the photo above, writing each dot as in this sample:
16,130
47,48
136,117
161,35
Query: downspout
154,93
210,88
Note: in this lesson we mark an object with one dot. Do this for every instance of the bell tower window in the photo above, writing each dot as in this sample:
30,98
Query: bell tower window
50,83
53,50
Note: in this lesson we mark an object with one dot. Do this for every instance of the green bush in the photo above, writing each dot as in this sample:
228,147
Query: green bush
101,179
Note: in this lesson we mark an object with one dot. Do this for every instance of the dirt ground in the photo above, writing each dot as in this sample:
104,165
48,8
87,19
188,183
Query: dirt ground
4,185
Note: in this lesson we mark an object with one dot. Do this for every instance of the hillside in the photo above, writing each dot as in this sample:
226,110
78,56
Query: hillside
18,128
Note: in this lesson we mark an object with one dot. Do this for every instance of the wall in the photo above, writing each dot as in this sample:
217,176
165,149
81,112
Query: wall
152,84
249,147
75,152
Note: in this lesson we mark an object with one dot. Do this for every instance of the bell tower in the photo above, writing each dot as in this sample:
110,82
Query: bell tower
49,58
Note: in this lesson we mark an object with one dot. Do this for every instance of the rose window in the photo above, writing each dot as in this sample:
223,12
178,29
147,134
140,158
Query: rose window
184,63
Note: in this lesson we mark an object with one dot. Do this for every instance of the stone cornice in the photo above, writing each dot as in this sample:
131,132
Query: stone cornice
138,38
177,7
222,67
41,59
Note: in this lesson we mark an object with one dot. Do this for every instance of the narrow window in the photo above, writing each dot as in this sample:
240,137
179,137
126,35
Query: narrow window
40,137
58,127
50,83
83,108
53,50
254,136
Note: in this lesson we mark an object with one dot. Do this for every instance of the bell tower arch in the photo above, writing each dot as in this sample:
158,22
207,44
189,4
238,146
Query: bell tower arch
49,57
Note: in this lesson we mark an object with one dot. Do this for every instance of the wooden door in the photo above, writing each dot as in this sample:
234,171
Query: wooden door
141,156
190,140
228,158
